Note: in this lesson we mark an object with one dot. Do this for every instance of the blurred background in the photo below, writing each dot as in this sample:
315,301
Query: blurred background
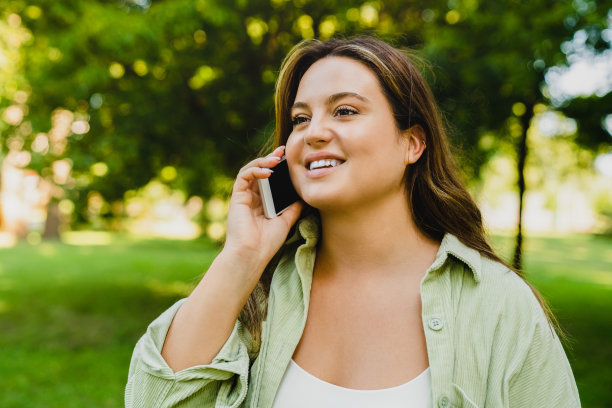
124,122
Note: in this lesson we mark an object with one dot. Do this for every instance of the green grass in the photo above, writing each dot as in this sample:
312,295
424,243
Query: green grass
70,315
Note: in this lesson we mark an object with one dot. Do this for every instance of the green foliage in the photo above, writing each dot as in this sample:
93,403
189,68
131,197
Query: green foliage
591,111
491,56
189,84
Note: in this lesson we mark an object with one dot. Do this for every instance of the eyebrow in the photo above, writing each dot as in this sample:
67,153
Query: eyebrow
333,98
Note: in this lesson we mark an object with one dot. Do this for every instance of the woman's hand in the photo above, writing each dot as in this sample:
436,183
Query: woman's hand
252,239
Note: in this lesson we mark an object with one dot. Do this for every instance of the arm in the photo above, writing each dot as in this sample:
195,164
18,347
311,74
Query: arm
544,378
194,353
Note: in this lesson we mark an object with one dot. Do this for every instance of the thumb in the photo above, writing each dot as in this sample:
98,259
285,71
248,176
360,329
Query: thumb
292,213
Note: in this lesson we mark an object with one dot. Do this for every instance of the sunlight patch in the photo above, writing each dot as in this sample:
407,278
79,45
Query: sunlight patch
7,240
87,238
170,288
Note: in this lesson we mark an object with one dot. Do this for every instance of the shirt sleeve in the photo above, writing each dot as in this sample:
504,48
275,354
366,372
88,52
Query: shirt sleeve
152,383
543,376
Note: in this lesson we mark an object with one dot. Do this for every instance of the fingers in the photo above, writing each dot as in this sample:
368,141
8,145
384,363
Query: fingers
270,160
258,169
247,176
292,213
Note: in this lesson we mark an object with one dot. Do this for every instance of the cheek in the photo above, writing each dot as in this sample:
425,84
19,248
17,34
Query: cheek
293,148
293,151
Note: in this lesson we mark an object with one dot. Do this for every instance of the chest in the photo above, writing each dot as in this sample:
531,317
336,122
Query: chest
364,336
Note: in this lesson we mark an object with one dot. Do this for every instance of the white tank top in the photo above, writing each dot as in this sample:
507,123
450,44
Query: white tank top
300,389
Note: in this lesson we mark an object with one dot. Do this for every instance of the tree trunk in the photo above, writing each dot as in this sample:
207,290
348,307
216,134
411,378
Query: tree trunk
521,158
53,222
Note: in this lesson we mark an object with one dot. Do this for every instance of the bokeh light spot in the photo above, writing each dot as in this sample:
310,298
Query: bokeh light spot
368,15
303,25
199,36
99,169
453,17
79,127
140,67
20,97
256,28
519,109
41,143
168,173
33,12
96,101
116,70
203,76
328,27
14,20
428,15
66,206
216,230
54,54
13,115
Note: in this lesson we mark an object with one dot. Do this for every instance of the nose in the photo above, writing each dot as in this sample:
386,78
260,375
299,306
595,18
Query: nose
318,132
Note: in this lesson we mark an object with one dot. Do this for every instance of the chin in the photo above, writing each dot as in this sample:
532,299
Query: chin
324,202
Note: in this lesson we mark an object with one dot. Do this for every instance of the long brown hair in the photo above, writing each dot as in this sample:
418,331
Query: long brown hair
440,203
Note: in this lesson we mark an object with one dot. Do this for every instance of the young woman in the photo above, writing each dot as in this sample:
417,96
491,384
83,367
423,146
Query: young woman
379,290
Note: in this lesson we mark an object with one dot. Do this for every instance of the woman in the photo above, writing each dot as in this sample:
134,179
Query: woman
386,292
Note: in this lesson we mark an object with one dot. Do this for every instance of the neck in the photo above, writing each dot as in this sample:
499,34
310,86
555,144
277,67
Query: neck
373,240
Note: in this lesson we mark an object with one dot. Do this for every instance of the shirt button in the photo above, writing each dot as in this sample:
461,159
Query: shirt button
444,402
435,323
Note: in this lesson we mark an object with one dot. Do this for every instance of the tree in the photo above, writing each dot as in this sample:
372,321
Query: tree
493,56
139,86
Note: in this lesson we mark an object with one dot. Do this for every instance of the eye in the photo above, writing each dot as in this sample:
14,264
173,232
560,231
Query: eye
298,120
346,111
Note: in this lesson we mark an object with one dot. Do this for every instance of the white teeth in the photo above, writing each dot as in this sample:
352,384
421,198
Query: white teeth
323,163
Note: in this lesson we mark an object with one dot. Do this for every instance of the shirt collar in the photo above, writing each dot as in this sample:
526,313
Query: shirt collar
451,245
308,229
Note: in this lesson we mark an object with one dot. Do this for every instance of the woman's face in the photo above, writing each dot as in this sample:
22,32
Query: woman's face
345,150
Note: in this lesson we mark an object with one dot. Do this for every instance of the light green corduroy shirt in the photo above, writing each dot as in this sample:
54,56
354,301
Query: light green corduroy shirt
488,341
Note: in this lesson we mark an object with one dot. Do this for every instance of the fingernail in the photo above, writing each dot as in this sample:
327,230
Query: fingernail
268,170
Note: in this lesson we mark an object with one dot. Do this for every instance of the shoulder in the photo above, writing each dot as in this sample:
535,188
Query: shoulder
495,297
489,284
512,292
514,318
523,341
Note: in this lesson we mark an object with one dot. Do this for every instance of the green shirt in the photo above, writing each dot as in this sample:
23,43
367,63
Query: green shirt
489,343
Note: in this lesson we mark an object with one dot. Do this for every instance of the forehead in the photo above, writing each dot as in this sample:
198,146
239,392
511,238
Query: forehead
332,75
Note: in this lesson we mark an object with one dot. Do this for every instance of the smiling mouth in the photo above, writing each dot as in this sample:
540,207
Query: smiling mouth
321,164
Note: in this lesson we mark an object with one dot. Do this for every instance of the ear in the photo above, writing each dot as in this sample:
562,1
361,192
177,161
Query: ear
416,145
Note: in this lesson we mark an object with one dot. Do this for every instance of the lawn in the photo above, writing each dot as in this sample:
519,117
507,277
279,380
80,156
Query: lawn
70,315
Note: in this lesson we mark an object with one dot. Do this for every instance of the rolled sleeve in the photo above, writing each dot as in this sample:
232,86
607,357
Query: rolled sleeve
152,383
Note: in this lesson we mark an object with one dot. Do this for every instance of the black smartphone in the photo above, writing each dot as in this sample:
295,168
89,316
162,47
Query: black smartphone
277,192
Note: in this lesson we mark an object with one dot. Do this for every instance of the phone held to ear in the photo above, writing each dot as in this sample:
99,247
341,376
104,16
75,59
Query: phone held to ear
277,192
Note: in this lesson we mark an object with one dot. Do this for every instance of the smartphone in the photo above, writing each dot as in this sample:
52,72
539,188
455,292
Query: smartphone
277,192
